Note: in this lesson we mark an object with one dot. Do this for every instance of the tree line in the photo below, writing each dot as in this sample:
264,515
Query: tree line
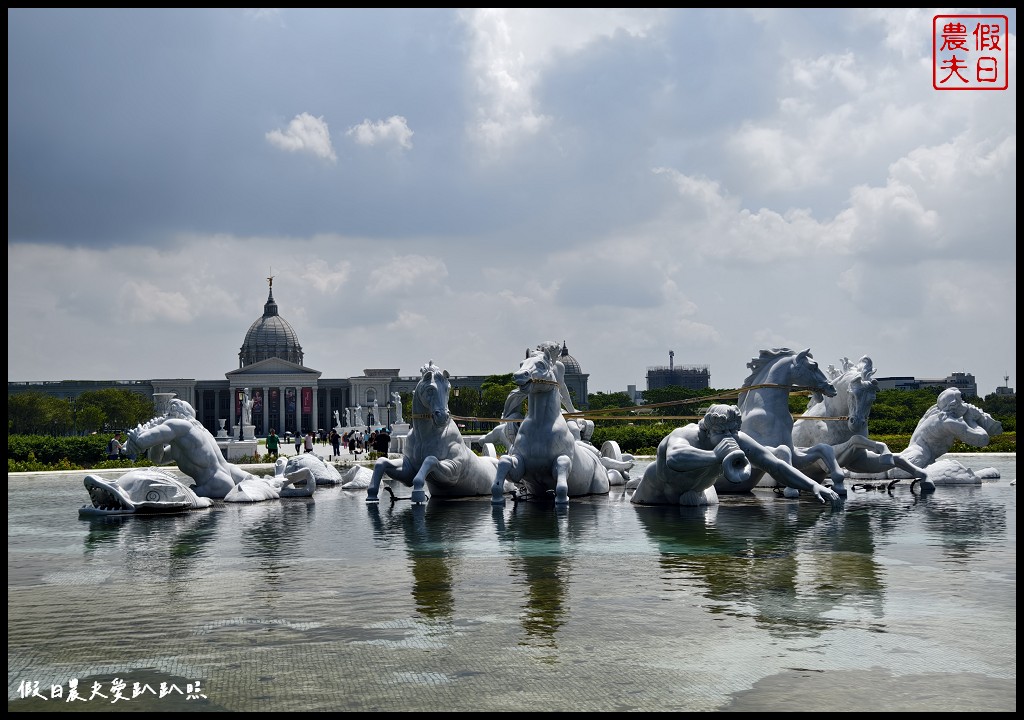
100,411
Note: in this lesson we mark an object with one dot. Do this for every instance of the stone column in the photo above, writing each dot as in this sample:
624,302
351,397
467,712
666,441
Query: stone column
266,410
314,419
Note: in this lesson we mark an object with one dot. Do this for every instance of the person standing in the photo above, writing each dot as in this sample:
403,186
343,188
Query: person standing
335,443
115,448
273,441
383,442
298,443
309,441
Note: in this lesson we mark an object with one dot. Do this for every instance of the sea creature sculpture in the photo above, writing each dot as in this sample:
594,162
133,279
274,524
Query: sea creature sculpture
140,491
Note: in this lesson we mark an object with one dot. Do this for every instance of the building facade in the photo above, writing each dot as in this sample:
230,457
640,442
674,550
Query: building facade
286,394
965,381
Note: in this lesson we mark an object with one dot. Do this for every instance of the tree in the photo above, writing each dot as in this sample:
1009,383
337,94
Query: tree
36,413
494,392
674,392
600,400
121,408
27,413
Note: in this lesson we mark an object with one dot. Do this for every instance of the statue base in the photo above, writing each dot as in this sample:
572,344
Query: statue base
248,432
236,449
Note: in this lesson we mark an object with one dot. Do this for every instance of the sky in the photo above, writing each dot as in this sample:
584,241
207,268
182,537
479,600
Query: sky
459,185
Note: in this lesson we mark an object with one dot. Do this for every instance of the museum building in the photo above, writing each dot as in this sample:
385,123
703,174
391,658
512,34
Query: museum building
286,395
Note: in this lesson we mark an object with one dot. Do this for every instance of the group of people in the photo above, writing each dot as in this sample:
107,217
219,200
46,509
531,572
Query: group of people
355,441
358,441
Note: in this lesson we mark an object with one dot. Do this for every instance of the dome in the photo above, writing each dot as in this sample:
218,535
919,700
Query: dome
572,365
271,336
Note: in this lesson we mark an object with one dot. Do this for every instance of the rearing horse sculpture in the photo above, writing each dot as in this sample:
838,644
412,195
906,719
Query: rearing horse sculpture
856,389
546,457
435,455
764,408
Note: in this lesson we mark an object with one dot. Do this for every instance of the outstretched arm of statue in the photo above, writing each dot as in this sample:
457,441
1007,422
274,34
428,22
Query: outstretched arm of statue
782,471
682,453
966,432
144,437
977,416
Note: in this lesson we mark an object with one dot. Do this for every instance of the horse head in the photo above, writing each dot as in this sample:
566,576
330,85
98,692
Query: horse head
806,373
430,398
536,373
861,393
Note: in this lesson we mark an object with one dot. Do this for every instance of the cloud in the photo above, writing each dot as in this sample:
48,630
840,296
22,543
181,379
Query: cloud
510,50
306,134
393,132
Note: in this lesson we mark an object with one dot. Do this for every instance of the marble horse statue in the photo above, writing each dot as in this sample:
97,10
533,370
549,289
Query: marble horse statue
764,406
505,433
856,390
546,458
435,457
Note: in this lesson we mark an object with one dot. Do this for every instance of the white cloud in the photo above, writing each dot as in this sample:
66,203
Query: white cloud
306,134
394,131
512,47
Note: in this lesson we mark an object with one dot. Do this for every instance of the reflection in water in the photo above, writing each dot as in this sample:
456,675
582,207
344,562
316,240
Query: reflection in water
787,564
967,523
434,535
538,538
165,546
462,606
272,533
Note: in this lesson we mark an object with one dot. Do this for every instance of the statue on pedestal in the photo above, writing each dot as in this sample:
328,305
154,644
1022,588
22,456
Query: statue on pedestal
246,407
397,398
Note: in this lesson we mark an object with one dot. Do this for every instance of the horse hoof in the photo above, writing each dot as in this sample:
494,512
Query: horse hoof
418,497
372,499
497,500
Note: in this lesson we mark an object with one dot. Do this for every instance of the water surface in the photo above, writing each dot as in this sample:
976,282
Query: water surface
895,602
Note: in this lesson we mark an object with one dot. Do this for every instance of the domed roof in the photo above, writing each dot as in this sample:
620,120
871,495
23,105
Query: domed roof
271,336
572,365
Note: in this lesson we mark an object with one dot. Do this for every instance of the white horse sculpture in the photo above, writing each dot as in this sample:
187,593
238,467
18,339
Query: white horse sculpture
435,456
546,457
856,390
764,407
